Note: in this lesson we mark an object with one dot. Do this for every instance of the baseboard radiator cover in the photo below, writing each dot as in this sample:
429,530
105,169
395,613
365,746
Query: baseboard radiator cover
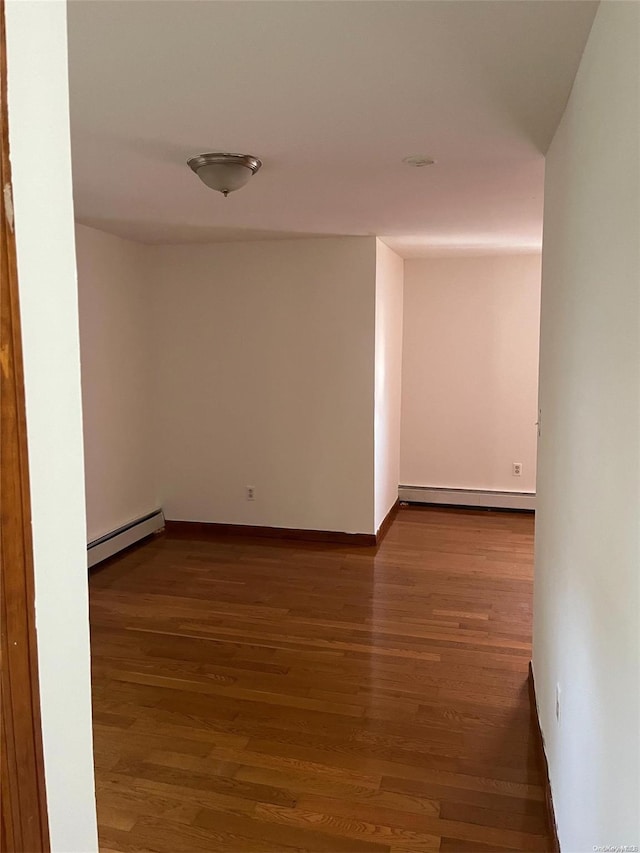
468,497
117,540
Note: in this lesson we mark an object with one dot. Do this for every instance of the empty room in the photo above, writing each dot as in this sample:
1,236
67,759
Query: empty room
321,469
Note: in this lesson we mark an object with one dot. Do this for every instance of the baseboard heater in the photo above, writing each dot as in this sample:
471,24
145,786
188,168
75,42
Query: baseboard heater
111,543
468,497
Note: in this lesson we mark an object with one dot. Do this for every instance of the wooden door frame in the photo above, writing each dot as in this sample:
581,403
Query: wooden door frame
24,824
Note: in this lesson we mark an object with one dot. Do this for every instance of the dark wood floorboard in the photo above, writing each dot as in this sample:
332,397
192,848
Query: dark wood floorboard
266,696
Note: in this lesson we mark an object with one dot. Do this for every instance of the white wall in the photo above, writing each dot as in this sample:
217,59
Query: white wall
118,378
266,378
470,372
38,114
586,619
388,378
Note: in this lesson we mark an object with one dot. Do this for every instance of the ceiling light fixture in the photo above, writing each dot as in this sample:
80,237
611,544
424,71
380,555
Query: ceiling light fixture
418,160
224,172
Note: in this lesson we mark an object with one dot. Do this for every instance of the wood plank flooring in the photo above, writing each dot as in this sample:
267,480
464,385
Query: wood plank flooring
267,696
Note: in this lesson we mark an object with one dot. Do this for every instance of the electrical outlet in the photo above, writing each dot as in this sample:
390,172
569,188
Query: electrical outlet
558,703
251,493
517,469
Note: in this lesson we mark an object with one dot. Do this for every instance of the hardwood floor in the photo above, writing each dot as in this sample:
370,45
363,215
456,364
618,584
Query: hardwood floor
265,696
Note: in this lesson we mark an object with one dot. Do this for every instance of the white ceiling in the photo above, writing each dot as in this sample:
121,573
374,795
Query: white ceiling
331,96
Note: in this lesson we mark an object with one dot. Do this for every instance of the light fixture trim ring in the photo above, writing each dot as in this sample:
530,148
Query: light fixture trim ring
223,159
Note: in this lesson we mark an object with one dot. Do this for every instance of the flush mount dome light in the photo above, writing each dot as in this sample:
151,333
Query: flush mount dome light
224,172
418,160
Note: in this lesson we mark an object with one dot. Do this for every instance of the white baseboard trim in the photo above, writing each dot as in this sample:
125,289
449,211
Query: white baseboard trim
111,543
468,497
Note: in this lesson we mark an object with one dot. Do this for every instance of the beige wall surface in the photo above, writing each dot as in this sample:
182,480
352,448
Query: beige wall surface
210,369
388,378
586,607
42,196
470,372
118,380
265,359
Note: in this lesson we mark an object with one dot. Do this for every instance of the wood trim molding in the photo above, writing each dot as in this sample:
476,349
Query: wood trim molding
213,530
23,808
387,522
551,817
